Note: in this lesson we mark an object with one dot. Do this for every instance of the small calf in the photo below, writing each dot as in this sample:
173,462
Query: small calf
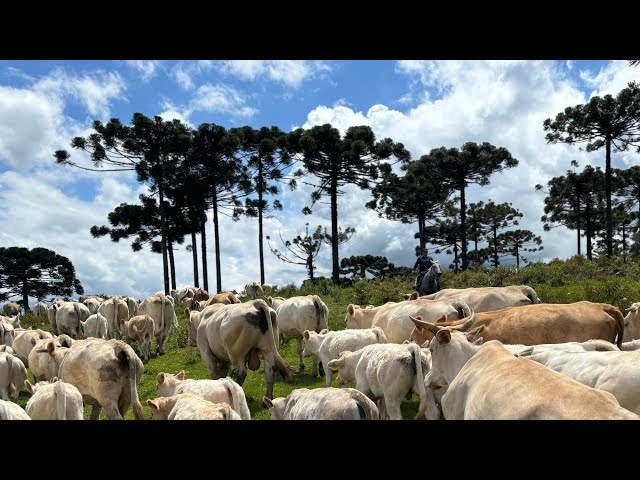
12,411
95,326
216,391
57,400
187,406
140,328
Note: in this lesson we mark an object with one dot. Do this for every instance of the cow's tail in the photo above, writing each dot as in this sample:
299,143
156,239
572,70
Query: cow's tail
422,392
382,338
61,399
463,309
616,314
531,294
322,313
365,412
237,402
127,362
76,308
283,367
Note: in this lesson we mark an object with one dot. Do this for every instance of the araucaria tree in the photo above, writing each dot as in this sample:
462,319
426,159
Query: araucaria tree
498,217
602,122
36,273
150,146
266,156
359,265
418,195
514,242
354,159
472,163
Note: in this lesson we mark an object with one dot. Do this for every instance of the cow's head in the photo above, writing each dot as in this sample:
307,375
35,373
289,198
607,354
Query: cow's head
632,323
345,369
276,407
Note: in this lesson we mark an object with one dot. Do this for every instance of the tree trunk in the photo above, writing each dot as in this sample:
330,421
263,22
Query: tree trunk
203,248
163,230
624,243
310,267
495,244
335,276
260,189
588,231
216,238
578,225
172,265
455,258
607,173
194,254
421,227
463,232
517,258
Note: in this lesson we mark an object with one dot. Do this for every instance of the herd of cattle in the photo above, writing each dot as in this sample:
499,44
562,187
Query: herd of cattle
475,353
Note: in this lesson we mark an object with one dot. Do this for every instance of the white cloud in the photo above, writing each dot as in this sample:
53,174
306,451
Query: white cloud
292,73
147,68
221,99
183,72
611,79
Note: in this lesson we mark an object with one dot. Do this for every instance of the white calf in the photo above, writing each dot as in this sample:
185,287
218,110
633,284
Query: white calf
223,390
12,376
12,411
54,401
388,372
328,345
323,404
187,406
141,329
95,326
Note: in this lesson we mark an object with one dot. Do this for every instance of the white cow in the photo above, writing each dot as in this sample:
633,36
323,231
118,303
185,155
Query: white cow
323,404
6,333
275,302
488,382
141,329
388,372
22,342
357,317
300,313
68,317
106,372
487,299
397,326
95,326
253,290
41,364
93,304
223,390
54,401
12,376
187,406
614,372
114,310
12,411
192,319
160,308
40,310
235,335
632,323
7,349
328,345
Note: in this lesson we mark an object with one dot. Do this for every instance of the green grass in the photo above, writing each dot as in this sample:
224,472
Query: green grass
557,282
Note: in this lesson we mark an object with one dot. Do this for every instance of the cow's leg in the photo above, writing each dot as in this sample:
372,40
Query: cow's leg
328,376
432,410
3,393
270,374
392,404
382,408
321,371
212,363
112,411
95,411
299,348
160,342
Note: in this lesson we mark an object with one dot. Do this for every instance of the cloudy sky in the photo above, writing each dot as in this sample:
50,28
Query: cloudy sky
423,104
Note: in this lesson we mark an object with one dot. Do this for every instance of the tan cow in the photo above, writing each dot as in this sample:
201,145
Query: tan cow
253,290
357,317
141,329
234,335
488,383
225,298
187,406
160,307
632,323
106,372
23,345
541,323
11,309
486,299
114,310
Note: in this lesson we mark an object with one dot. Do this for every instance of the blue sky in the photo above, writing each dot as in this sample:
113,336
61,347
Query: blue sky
424,104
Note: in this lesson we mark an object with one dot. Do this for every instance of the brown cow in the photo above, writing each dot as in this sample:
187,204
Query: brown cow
540,323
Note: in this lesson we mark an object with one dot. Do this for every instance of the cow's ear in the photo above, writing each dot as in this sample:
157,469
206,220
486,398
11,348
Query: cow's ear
266,401
443,336
442,319
153,405
323,331
306,334
478,341
180,375
33,342
160,377
413,296
27,384
474,333
351,309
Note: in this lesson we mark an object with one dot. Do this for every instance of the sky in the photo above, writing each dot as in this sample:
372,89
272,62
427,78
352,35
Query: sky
423,104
